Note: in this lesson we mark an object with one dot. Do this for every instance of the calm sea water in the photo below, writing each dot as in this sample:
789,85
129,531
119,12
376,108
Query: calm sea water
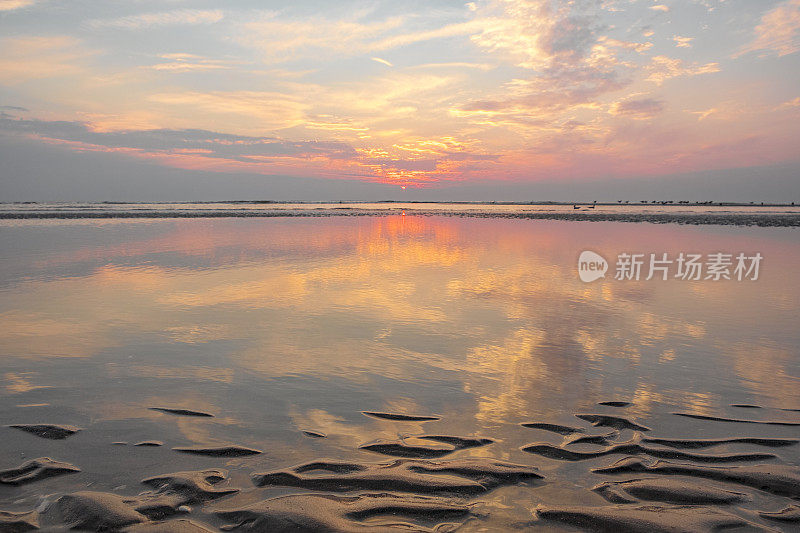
287,324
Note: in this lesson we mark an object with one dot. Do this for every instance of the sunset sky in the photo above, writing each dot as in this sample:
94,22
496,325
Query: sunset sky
434,99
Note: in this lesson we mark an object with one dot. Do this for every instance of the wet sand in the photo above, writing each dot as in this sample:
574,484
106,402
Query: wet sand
727,219
431,492
387,374
692,214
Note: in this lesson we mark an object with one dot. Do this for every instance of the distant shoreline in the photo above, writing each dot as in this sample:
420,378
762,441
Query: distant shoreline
724,218
649,203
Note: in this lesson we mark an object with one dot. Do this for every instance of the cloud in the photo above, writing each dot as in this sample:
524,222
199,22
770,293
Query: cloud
791,103
177,17
572,65
181,62
544,97
628,45
457,64
281,38
408,94
183,66
491,90
662,68
429,160
34,58
641,109
10,5
219,144
332,123
405,39
535,33
702,115
272,110
379,60
123,121
778,32
172,145
530,32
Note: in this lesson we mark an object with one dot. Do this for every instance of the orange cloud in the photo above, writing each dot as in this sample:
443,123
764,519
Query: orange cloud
642,109
662,68
270,110
33,58
778,32
10,5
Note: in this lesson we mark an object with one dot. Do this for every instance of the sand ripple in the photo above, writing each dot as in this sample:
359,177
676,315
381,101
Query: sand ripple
317,512
48,431
422,492
35,470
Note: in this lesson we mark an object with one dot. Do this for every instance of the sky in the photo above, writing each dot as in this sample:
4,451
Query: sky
419,100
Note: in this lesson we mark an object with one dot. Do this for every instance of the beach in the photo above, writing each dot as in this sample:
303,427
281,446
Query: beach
778,215
394,371
372,267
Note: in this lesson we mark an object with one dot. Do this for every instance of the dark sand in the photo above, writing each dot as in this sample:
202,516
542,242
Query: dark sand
313,434
322,512
420,491
48,431
181,412
465,476
789,514
644,519
232,450
35,470
614,403
14,522
555,428
400,448
400,417
195,486
675,491
777,479
734,216
616,422
739,420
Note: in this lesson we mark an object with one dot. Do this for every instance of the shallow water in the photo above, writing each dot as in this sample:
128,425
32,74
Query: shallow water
281,325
